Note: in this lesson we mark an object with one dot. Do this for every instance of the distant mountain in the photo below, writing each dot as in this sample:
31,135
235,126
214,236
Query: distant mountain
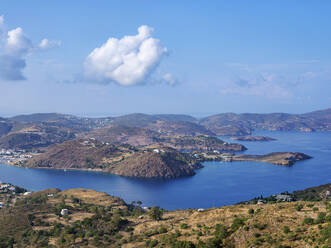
245,123
34,136
319,114
40,117
43,129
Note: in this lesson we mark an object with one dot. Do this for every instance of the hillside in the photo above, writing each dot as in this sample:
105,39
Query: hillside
35,136
144,137
201,143
79,154
96,219
253,138
163,164
244,123
124,135
124,160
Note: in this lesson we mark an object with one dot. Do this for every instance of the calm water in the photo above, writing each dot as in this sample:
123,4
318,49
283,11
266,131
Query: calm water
217,184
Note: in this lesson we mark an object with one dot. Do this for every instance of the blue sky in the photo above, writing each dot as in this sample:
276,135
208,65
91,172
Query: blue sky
194,57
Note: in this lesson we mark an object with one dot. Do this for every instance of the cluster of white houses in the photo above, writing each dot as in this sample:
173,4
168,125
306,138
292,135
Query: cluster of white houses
10,155
8,191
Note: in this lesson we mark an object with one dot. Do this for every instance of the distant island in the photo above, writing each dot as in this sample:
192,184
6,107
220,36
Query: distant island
41,130
145,146
253,138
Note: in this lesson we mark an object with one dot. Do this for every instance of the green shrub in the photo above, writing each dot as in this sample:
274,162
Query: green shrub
286,229
184,226
221,232
320,218
151,243
237,223
156,213
260,226
308,221
298,207
251,211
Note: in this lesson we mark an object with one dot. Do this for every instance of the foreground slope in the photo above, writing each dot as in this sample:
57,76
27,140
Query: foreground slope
96,219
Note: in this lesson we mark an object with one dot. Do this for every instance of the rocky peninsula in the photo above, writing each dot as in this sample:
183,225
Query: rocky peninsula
253,138
278,158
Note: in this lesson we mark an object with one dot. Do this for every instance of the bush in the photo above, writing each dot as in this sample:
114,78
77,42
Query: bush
286,229
251,211
320,218
260,226
184,226
298,207
237,223
163,230
156,213
151,243
308,221
221,232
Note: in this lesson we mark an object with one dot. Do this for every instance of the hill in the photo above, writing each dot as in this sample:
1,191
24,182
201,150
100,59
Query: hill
124,135
245,123
95,219
144,137
124,160
161,164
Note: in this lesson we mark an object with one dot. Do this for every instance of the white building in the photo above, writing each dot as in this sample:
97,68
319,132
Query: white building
64,212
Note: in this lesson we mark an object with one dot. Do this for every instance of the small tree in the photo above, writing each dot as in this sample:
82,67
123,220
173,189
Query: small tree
156,213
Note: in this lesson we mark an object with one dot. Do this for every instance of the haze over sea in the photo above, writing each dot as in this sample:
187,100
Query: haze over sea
217,184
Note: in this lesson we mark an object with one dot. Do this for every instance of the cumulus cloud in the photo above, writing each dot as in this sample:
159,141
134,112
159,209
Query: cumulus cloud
127,61
17,46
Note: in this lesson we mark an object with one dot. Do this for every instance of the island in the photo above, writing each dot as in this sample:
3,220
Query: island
253,138
278,158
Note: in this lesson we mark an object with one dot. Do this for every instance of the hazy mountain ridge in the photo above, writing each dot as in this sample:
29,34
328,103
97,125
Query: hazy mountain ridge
55,128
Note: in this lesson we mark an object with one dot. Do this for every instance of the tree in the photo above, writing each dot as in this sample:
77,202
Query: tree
156,213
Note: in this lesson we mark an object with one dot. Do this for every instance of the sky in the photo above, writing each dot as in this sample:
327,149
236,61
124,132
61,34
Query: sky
105,58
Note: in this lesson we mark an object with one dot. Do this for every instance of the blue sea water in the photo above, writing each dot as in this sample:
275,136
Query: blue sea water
217,184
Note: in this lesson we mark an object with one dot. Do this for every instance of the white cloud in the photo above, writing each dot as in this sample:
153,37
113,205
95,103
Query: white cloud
169,79
48,44
2,25
18,44
16,47
127,61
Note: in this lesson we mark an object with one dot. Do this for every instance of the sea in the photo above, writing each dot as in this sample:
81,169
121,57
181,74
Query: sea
216,184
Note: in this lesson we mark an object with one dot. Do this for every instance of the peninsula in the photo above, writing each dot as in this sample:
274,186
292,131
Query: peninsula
278,158
253,138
